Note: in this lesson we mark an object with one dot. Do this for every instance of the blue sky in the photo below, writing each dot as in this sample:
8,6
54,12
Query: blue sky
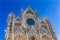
48,8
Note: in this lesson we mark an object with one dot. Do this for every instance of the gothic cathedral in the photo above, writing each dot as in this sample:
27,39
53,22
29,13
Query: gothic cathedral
28,27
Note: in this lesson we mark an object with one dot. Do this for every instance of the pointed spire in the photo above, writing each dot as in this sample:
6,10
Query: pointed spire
45,18
30,11
21,10
28,7
11,14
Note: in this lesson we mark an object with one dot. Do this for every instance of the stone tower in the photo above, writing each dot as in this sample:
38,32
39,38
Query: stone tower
28,27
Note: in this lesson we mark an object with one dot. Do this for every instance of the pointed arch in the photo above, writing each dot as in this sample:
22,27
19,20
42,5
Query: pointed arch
33,36
46,37
20,36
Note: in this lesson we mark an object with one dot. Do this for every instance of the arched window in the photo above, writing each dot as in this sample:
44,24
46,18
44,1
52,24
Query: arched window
32,38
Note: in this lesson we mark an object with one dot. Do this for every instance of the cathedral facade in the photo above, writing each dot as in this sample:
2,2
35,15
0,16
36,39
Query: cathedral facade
28,27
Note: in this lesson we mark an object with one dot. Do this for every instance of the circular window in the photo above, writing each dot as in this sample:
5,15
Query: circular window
30,21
